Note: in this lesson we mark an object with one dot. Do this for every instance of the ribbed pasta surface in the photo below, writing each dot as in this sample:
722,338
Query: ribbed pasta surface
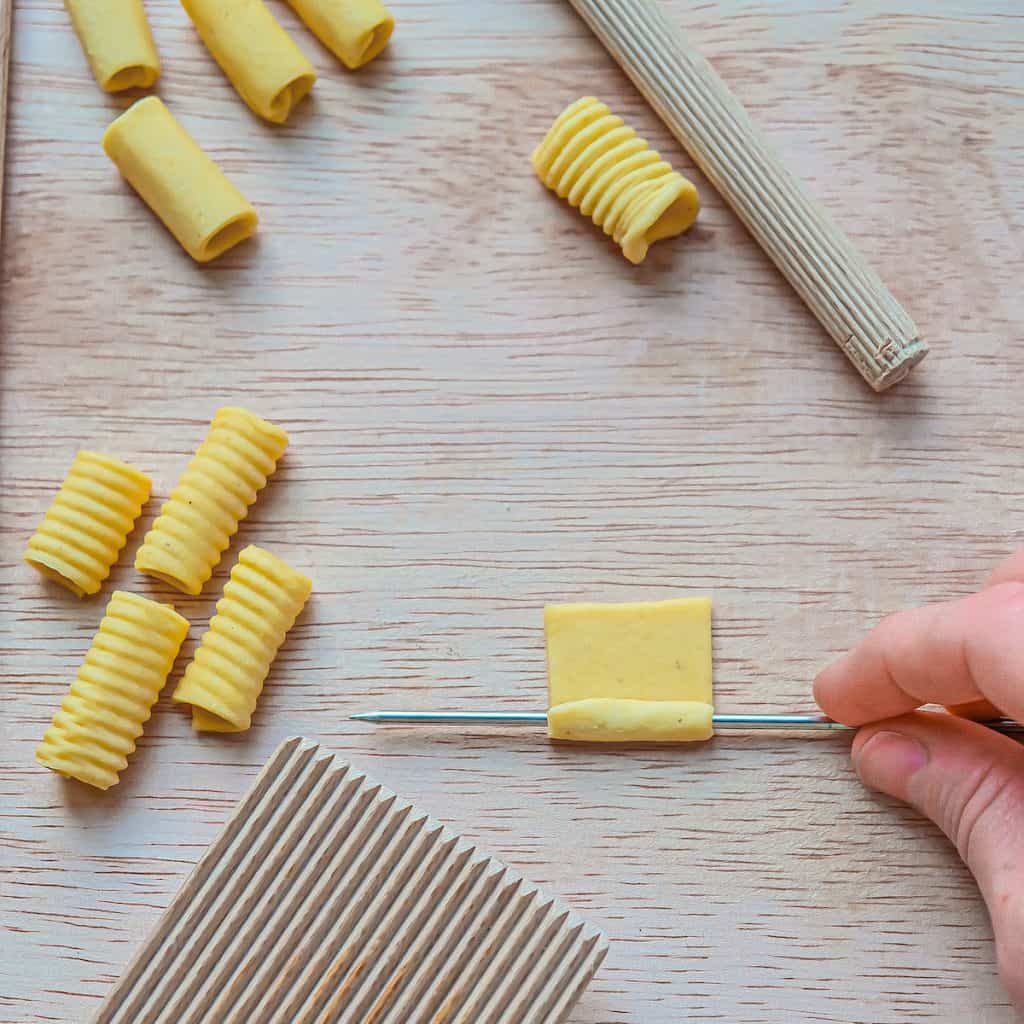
110,700
213,496
88,522
594,160
261,601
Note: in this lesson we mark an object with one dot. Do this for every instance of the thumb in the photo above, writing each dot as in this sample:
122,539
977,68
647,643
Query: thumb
970,782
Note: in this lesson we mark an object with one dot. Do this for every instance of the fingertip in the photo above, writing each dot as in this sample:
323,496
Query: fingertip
887,758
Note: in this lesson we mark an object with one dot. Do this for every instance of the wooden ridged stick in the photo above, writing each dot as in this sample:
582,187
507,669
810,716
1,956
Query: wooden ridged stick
817,259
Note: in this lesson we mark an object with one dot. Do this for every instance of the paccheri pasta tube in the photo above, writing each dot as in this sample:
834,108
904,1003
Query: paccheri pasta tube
88,522
261,601
117,41
178,181
111,698
355,31
213,496
596,162
260,59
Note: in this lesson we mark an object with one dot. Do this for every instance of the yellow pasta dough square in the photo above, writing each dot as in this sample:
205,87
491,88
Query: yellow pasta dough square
642,651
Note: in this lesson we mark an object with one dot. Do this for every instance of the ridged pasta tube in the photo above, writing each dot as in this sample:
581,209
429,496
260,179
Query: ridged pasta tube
117,41
594,160
88,522
178,181
355,31
111,698
260,59
261,601
213,496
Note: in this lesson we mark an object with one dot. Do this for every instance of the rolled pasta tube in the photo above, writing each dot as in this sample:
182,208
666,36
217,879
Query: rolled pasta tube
212,497
355,31
261,601
88,522
117,41
116,687
614,720
178,181
260,59
592,159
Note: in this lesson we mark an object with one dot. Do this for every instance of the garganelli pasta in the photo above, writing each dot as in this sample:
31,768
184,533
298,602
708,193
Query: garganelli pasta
178,181
88,522
261,601
213,496
355,31
117,41
594,160
110,700
260,59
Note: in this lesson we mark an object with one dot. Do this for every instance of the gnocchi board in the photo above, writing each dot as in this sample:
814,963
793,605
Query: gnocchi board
490,409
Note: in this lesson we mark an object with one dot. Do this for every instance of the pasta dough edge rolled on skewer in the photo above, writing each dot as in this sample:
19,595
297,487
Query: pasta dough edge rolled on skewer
188,192
104,711
355,31
216,491
262,599
596,162
117,41
606,720
260,59
88,522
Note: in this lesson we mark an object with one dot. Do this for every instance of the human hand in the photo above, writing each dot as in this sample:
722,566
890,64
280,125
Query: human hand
966,778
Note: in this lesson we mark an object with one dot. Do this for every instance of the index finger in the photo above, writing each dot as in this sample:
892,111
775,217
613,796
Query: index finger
955,653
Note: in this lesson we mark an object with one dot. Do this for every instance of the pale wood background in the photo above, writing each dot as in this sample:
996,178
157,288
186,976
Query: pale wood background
490,409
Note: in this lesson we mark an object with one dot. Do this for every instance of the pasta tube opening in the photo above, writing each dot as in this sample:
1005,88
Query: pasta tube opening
355,31
284,101
132,76
234,231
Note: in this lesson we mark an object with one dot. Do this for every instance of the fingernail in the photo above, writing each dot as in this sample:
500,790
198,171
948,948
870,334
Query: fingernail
889,760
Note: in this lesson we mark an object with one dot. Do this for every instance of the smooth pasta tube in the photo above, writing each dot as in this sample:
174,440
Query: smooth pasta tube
355,31
110,700
612,720
117,41
261,601
88,522
596,162
260,59
178,181
213,496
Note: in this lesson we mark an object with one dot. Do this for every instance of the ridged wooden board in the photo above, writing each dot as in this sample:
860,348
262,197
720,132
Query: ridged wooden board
327,899
817,259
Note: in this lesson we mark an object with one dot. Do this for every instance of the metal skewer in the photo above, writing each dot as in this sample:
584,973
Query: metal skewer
735,723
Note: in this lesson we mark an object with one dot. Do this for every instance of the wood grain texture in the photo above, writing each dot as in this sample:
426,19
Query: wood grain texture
6,13
863,317
490,409
327,899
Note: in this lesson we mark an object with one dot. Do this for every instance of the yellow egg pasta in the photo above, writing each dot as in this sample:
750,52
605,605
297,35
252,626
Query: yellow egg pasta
596,162
88,522
261,601
117,685
260,59
638,671
613,720
117,41
355,31
213,496
178,181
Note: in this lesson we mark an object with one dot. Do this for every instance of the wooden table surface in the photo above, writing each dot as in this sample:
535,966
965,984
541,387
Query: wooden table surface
489,410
